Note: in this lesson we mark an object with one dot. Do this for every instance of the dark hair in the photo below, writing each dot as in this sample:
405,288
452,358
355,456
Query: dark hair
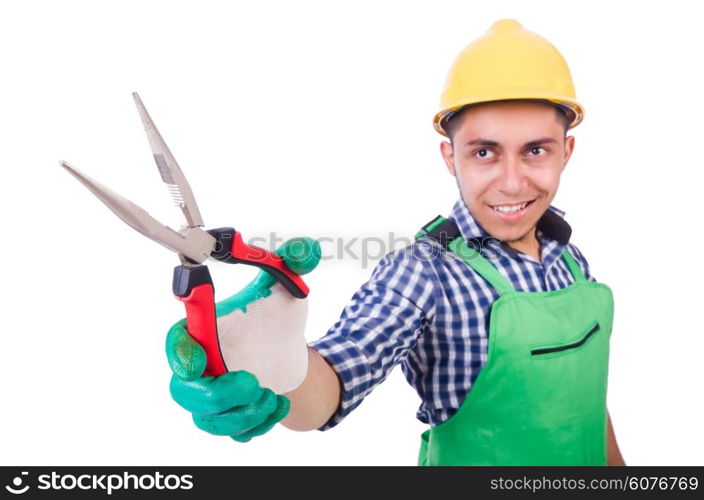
452,122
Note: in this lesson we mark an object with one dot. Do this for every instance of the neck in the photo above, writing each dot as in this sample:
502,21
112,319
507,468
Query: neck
528,244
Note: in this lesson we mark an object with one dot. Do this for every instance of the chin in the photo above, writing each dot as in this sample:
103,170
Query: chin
507,236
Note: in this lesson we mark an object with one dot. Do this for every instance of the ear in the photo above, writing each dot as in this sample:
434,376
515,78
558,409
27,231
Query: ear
448,155
569,148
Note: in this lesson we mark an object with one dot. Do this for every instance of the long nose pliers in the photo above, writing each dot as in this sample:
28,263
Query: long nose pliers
192,283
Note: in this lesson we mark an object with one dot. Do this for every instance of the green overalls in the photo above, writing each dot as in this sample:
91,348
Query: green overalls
541,397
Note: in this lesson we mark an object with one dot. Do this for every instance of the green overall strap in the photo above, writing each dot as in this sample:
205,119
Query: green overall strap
574,268
482,266
448,234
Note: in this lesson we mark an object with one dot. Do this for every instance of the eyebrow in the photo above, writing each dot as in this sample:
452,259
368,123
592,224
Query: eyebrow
479,141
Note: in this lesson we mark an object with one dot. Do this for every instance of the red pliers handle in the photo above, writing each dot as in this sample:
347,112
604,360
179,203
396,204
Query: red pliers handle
194,287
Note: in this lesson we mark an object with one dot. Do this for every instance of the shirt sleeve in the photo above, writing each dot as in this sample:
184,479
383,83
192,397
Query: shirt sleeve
377,328
582,261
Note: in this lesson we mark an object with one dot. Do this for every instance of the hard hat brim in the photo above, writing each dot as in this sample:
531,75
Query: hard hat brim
574,108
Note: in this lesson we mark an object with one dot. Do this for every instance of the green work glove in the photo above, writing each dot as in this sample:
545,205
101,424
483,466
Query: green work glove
254,327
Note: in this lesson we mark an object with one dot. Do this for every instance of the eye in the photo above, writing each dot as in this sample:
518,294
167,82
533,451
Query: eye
483,153
536,150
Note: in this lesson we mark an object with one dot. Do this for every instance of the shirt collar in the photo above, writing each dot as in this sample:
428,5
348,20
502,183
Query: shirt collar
551,224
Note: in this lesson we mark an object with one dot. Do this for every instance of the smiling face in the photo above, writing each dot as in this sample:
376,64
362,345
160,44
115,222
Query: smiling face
507,157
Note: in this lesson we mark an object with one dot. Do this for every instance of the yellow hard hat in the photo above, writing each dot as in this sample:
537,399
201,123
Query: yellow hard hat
508,62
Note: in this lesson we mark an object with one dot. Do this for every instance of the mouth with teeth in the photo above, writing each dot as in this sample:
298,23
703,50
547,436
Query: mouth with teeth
512,211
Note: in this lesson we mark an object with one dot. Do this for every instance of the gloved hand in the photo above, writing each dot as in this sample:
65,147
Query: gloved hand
261,335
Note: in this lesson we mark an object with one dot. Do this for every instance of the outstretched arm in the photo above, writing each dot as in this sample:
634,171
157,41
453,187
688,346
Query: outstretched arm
375,331
316,399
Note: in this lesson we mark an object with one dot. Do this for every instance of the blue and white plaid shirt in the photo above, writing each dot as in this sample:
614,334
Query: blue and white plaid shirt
427,310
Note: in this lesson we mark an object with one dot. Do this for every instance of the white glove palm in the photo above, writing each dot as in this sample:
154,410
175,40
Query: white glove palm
261,329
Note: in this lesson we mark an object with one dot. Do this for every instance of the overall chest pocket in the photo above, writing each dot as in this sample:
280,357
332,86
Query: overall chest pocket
565,348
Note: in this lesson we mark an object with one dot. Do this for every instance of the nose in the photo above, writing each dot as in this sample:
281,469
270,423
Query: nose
511,176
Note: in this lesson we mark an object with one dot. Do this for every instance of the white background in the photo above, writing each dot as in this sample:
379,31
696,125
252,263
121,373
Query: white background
314,118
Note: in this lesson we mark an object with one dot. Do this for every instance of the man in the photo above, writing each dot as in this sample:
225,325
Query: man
492,313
